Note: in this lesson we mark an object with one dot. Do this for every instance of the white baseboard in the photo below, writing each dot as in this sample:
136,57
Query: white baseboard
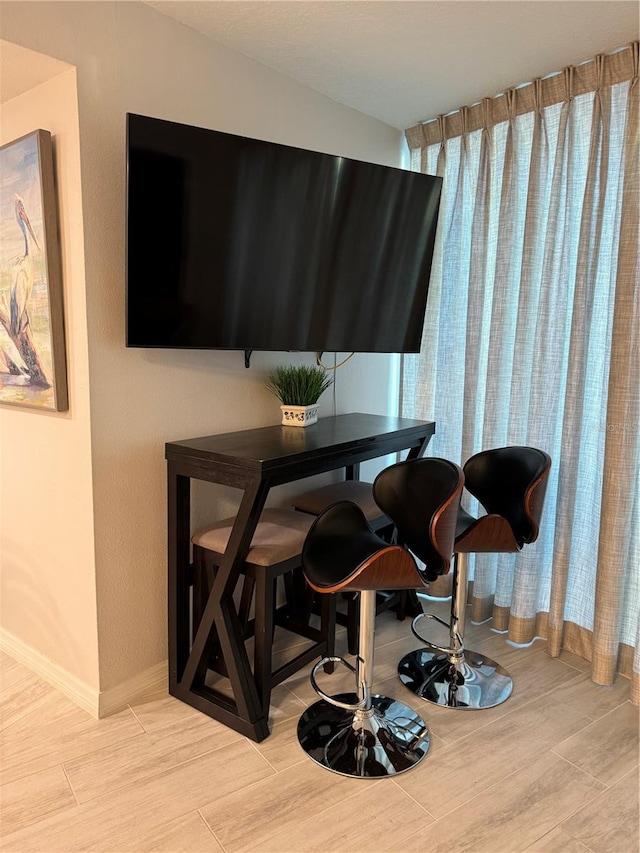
78,691
97,703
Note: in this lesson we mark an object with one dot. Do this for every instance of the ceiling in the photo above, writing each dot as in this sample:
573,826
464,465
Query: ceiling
404,61
22,69
401,61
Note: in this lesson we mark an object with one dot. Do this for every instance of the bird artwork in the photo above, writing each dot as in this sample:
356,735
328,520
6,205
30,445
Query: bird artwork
32,356
22,273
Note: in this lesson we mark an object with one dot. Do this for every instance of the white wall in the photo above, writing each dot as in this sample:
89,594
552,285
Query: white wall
130,58
46,532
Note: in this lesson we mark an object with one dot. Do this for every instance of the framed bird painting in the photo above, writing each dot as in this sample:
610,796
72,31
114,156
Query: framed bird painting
32,348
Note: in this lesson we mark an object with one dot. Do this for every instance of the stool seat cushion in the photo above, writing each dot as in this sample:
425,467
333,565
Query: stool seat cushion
360,493
279,536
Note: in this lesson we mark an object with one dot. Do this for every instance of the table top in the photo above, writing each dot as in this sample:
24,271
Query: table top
271,447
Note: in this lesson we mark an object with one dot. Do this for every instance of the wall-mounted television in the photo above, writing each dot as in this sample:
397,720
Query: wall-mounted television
238,243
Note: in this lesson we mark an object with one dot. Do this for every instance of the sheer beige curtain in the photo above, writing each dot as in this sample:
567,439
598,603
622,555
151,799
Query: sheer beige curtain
532,336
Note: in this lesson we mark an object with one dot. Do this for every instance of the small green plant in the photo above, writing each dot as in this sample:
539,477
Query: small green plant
298,386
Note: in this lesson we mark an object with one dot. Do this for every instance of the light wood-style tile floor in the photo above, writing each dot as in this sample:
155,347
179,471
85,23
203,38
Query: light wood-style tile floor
553,769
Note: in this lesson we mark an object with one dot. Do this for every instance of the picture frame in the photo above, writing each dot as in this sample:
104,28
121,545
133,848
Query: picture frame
33,370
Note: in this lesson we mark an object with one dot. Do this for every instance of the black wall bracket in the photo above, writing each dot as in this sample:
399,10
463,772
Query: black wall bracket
247,357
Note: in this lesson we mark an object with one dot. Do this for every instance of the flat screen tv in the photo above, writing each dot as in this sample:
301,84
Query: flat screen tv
238,243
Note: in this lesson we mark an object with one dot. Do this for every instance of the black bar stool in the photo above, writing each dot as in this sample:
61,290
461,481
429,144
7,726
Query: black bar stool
360,734
402,602
276,550
510,483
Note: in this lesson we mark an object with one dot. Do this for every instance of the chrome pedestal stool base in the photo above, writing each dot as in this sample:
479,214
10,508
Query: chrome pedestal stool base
385,740
453,676
359,734
471,681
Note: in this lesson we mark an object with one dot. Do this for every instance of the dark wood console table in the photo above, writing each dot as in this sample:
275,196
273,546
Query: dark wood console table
253,461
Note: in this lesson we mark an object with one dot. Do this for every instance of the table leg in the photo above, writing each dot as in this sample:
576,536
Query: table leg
352,472
417,452
264,604
178,577
220,615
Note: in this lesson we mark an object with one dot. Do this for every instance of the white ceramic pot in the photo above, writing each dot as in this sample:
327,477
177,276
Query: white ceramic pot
299,416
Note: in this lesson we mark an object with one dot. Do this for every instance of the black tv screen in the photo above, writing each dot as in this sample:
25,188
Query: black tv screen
238,243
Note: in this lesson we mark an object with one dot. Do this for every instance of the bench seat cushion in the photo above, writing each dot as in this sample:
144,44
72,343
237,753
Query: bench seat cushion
279,536
359,492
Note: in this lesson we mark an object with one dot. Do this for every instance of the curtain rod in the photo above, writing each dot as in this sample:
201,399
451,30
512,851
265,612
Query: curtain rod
601,71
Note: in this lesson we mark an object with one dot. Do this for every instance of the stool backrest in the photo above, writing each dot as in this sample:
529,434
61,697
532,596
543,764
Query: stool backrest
339,541
422,498
511,482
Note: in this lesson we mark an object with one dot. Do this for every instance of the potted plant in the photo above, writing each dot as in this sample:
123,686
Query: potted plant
298,389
